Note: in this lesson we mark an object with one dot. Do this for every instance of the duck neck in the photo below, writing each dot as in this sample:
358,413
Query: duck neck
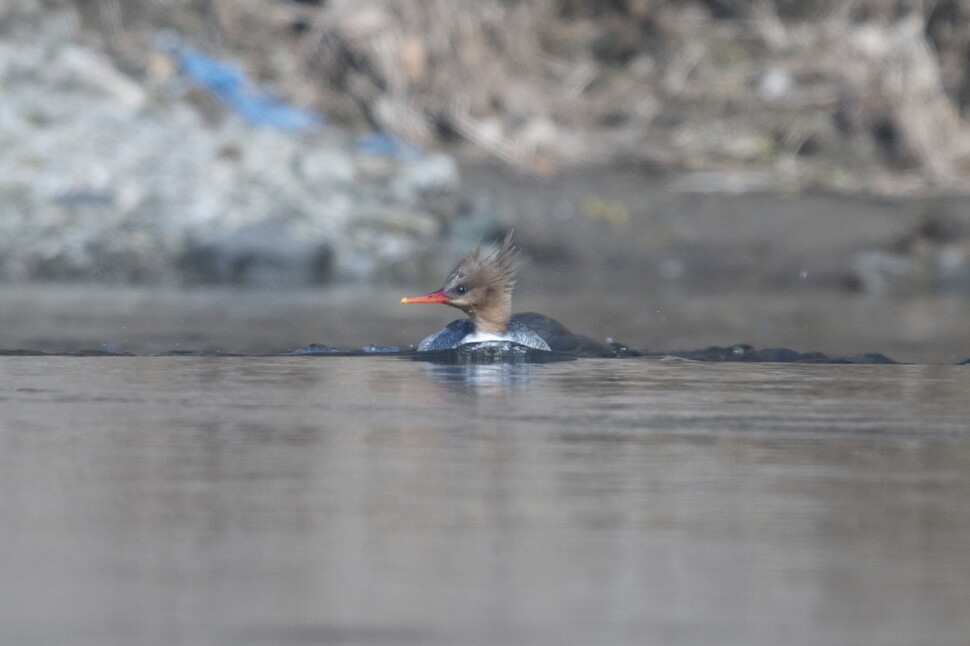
494,317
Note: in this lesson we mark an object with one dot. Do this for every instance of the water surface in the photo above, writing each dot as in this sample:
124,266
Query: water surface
309,500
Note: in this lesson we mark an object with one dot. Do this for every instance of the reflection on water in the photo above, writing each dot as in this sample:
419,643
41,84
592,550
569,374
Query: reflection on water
480,367
473,377
308,500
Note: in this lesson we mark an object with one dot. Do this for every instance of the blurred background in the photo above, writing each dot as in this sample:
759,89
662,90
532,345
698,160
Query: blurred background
257,175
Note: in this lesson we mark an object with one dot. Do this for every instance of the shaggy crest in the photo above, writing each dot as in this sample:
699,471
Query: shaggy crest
495,268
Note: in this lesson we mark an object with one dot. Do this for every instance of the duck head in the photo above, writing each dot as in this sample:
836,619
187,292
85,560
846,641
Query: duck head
481,286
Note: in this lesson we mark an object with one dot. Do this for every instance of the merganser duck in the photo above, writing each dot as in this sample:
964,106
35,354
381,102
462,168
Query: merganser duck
480,286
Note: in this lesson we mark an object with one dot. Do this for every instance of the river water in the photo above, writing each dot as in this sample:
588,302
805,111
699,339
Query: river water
68,318
382,500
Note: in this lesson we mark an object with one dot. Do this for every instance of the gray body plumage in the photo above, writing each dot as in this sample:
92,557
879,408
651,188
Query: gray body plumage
451,337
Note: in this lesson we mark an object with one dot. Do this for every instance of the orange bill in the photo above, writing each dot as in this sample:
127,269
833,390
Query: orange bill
433,297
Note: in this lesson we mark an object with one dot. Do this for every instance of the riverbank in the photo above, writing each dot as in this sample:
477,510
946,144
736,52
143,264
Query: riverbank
120,167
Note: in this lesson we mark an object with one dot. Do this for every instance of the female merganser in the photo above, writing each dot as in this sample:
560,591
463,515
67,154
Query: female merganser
481,286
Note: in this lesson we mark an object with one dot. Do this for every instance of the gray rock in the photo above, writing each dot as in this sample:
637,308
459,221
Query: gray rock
434,172
107,177
327,167
265,254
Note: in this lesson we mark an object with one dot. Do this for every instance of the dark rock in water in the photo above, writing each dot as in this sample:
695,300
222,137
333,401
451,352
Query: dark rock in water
317,348
567,346
370,349
743,353
739,352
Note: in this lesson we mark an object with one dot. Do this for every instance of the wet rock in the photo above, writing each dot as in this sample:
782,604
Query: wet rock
317,348
739,352
745,353
380,349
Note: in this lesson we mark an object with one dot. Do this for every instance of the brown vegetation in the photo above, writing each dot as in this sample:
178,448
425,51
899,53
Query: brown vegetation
838,93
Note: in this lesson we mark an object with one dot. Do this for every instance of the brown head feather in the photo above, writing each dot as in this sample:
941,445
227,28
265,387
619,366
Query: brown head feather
481,286
496,267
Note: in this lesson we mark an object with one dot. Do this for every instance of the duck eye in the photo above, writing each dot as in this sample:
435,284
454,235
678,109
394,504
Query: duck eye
461,289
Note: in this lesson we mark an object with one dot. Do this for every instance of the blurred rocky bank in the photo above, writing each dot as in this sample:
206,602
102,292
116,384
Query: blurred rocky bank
705,141
114,178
